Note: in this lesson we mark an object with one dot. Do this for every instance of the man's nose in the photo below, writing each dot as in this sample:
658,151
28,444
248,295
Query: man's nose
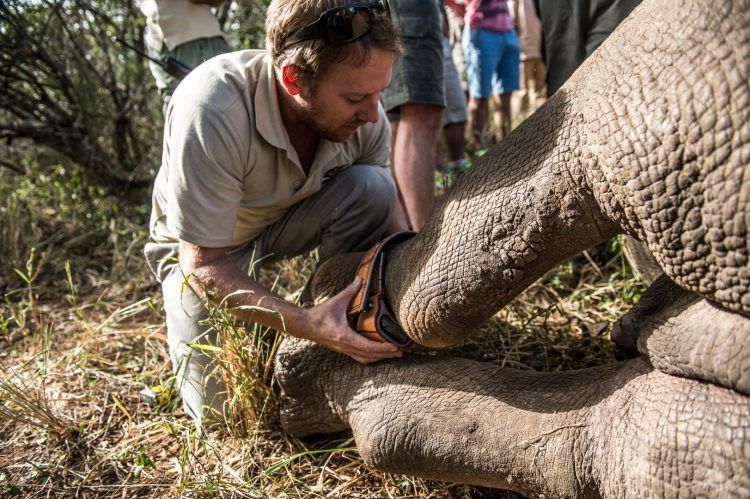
370,112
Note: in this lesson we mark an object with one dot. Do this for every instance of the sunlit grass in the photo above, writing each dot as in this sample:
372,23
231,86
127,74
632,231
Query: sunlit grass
82,332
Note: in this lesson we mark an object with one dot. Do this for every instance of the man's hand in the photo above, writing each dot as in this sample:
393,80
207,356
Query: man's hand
328,326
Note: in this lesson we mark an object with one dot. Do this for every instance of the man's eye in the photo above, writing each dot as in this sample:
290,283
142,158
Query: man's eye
355,101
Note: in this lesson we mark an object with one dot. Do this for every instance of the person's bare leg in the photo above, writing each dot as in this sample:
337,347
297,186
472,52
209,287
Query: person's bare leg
502,115
477,120
413,164
399,222
538,77
453,134
522,101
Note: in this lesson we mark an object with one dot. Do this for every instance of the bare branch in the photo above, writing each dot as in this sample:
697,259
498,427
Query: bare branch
64,85
12,167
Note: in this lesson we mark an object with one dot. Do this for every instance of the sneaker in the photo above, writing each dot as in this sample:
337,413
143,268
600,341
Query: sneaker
450,172
456,167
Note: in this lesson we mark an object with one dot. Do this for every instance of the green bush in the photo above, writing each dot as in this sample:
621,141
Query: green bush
53,213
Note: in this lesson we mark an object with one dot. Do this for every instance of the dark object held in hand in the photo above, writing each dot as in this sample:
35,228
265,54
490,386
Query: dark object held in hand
174,67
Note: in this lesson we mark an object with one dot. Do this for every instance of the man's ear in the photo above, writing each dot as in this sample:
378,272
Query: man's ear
290,79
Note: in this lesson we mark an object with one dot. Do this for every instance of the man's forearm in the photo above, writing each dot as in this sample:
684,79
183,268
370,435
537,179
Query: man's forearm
224,284
217,279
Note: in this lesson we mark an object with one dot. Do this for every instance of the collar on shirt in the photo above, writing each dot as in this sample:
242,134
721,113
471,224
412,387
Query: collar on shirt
266,104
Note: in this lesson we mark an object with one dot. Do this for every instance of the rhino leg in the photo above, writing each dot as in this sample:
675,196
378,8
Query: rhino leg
686,335
620,430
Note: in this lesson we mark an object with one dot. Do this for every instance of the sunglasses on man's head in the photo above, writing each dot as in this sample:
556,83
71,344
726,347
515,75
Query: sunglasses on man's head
340,24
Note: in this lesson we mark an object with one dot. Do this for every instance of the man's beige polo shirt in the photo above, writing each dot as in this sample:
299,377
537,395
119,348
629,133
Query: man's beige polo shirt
228,169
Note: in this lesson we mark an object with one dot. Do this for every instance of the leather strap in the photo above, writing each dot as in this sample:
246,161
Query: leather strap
368,312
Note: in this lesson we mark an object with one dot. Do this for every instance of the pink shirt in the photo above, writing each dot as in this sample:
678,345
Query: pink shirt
492,15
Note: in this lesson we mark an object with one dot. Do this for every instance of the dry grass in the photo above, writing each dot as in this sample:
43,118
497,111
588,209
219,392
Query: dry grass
82,332
73,423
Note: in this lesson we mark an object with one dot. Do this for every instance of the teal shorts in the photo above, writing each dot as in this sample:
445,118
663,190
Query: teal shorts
492,62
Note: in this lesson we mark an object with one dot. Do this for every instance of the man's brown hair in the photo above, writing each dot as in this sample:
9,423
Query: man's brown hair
313,57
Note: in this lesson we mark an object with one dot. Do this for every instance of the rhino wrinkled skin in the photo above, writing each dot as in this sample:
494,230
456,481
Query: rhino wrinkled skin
649,138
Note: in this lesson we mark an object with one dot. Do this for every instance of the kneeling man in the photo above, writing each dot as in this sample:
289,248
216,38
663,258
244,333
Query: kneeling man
271,155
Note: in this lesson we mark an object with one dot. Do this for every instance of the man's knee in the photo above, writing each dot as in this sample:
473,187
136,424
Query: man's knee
366,196
376,187
426,116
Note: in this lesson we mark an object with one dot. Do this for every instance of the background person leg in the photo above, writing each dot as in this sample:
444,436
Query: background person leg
501,114
413,163
416,98
478,121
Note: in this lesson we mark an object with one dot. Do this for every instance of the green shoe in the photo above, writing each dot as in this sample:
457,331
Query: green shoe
449,174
